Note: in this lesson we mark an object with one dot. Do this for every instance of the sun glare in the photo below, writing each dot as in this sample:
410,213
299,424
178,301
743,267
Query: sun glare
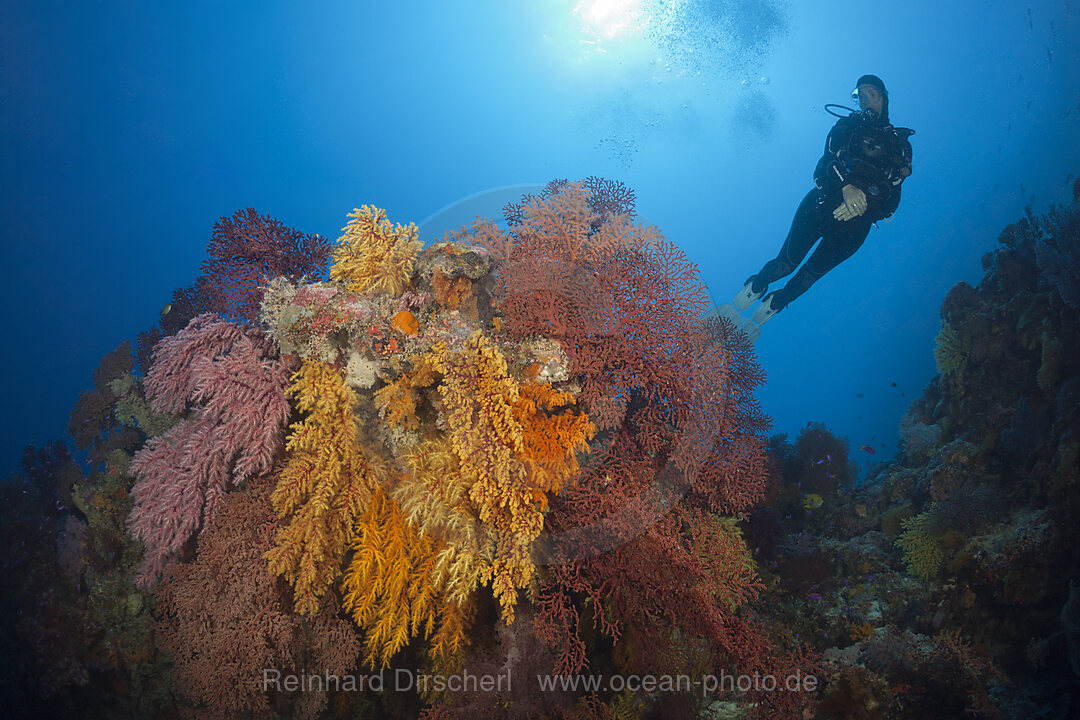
610,19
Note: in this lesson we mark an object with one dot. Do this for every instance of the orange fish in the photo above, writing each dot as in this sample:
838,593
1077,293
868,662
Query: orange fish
867,448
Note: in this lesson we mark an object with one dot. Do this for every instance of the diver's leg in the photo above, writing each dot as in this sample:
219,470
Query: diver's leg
839,242
806,228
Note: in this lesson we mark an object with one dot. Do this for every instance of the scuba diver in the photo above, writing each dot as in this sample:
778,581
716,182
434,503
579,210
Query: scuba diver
856,183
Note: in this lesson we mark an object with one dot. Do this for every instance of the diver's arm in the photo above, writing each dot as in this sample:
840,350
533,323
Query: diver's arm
904,161
830,174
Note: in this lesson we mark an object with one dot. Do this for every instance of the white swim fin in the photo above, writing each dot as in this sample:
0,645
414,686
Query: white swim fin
762,314
746,297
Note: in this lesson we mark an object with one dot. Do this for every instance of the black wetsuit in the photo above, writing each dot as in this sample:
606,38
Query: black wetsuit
862,150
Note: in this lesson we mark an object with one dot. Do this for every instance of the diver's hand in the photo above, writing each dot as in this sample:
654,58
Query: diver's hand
853,206
842,212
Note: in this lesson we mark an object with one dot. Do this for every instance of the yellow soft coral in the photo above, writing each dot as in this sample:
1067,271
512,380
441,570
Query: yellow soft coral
436,498
397,404
374,255
324,487
923,549
510,451
950,351
398,585
479,397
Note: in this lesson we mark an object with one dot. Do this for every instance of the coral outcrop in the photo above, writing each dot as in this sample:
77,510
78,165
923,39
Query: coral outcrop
518,447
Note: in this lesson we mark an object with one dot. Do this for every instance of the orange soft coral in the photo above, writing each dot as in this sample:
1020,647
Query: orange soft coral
551,441
403,582
387,587
454,293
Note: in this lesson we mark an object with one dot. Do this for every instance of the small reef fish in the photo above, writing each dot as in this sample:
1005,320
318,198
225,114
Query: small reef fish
867,448
812,501
165,310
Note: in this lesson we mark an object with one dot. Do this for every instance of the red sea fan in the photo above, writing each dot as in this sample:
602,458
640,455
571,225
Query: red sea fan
229,627
734,478
663,590
609,197
248,249
605,198
672,393
622,300
244,250
234,382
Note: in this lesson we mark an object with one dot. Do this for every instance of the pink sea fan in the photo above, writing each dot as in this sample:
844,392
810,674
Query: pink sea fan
234,382
314,294
174,374
357,308
411,301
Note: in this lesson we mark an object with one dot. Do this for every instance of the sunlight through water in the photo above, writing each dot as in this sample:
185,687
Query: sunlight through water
610,19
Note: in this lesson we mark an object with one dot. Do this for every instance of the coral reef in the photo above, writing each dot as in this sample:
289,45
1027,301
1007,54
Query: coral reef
435,459
943,585
521,450
1057,252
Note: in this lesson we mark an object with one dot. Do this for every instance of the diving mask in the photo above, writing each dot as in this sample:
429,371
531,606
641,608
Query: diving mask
859,105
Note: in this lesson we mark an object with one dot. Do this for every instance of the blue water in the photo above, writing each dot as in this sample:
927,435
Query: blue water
129,128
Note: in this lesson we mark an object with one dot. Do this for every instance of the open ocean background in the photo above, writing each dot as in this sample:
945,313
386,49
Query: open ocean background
129,128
